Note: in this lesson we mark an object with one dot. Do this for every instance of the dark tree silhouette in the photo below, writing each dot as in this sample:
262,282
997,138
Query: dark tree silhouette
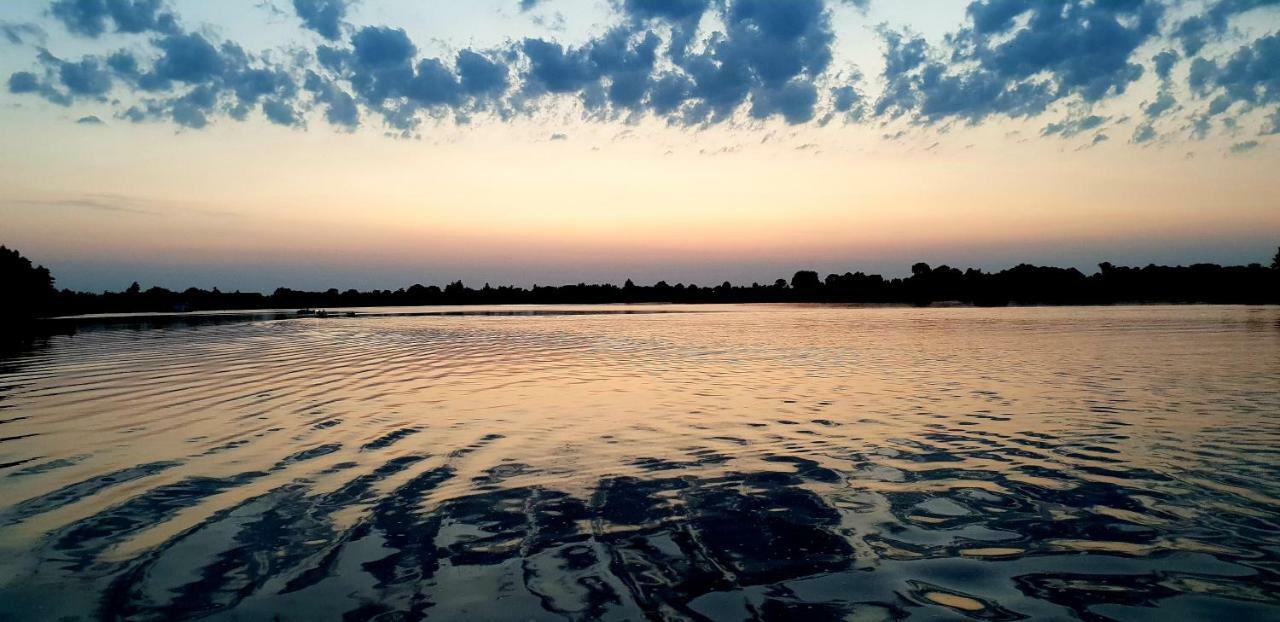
1275,261
805,281
28,289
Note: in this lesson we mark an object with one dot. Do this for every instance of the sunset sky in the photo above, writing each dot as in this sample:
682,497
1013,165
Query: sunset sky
256,143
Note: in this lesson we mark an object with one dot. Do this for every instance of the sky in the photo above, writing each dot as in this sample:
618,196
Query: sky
251,144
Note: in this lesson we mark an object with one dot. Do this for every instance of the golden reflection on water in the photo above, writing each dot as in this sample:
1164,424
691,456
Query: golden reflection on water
924,436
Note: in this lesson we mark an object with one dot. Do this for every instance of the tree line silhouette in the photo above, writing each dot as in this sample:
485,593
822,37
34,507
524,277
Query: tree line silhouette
30,291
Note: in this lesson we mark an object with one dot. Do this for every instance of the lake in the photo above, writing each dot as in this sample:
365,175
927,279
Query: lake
766,462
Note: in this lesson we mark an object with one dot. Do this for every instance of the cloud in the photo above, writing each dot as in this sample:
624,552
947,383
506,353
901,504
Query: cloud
218,78
23,82
1209,25
794,100
481,75
89,120
610,74
26,82
690,63
384,73
341,109
1164,62
993,66
90,18
674,10
18,34
1143,134
87,202
1072,127
324,17
1244,147
770,53
1163,103
559,137
1246,80
88,77
1251,75
849,101
860,5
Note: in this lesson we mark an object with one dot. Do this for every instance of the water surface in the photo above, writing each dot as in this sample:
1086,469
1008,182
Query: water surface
710,462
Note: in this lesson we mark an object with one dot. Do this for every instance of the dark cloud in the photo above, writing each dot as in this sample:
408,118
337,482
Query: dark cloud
188,80
611,74
341,109
1079,49
1143,134
481,75
1251,75
674,10
193,109
1163,103
382,47
1247,80
849,101
89,120
188,58
280,112
1206,26
794,100
25,82
553,69
929,92
87,78
91,18
382,72
325,17
770,53
63,82
1164,63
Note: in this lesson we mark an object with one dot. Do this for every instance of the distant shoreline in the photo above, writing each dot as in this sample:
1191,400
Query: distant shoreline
1021,285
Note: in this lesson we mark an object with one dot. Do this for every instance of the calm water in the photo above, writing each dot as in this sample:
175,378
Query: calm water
724,463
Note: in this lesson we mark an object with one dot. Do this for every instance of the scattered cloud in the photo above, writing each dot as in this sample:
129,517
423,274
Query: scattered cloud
1071,127
87,203
690,63
1244,147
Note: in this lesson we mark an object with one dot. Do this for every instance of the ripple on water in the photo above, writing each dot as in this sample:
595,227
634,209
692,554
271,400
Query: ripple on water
735,462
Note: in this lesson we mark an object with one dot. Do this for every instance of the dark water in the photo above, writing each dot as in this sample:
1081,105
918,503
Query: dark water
771,463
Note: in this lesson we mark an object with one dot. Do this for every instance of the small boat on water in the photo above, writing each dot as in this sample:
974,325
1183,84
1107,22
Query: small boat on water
322,313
